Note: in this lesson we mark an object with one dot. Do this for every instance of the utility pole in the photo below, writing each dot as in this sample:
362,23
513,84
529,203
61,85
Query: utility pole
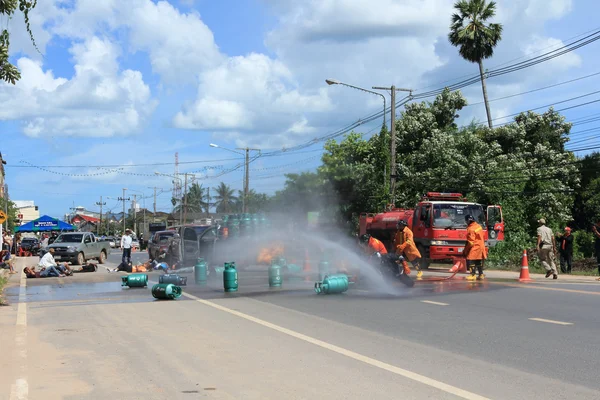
245,204
123,199
135,228
393,91
154,205
185,196
247,177
100,203
208,203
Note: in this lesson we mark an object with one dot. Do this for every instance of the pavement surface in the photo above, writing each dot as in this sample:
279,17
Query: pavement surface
86,337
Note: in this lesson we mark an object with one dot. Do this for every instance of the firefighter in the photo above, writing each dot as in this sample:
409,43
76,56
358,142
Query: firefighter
405,244
474,251
371,245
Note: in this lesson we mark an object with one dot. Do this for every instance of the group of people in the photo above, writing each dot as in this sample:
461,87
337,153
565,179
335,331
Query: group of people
474,252
550,246
48,267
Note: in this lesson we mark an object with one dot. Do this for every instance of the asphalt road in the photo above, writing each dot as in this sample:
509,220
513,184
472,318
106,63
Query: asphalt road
85,337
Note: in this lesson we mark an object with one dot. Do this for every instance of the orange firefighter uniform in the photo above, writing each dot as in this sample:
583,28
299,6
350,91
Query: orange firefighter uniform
375,246
405,243
475,248
475,251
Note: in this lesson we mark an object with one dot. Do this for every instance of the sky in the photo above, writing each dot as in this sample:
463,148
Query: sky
118,87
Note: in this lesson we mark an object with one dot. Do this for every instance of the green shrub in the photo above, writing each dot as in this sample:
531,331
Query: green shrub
507,254
583,245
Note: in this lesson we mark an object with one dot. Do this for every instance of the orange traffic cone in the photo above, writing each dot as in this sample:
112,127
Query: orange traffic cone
459,266
524,268
306,267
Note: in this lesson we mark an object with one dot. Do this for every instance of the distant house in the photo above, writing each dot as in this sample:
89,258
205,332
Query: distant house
84,223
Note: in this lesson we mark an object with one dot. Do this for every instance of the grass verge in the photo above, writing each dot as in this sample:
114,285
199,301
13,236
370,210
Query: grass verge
3,281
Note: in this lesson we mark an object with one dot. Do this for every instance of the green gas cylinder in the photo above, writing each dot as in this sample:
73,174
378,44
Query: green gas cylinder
230,277
135,280
332,284
275,279
174,279
323,269
200,269
166,291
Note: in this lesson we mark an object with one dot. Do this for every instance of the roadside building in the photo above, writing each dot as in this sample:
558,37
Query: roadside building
27,211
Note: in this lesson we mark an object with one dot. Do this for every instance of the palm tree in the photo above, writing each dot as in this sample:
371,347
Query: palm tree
475,39
225,199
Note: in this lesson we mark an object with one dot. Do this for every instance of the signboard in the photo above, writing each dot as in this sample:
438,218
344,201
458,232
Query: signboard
2,217
45,224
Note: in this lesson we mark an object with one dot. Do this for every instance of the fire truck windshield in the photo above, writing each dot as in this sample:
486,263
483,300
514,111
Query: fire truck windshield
452,215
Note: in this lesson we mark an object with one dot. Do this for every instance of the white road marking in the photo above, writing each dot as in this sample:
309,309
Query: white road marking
434,302
20,389
550,321
348,353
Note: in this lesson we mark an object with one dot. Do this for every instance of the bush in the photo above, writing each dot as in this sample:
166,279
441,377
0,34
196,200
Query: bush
583,245
507,254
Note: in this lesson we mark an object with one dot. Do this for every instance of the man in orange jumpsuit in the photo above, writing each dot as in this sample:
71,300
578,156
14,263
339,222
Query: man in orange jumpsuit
475,250
372,245
405,244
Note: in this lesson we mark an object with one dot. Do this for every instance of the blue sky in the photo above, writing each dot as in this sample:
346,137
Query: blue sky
120,87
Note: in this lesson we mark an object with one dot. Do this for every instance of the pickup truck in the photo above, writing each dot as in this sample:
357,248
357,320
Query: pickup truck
80,247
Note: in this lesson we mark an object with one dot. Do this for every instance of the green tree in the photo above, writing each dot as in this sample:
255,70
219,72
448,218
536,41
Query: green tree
11,214
195,200
8,72
475,39
225,199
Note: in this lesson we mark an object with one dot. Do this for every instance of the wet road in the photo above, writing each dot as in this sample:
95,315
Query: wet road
445,339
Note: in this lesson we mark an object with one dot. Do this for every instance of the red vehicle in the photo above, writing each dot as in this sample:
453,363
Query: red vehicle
438,223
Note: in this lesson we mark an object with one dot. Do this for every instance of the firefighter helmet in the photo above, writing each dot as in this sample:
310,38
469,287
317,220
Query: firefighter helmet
364,238
469,218
401,224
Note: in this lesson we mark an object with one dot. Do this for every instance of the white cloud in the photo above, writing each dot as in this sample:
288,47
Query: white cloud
100,100
539,45
179,45
250,93
548,9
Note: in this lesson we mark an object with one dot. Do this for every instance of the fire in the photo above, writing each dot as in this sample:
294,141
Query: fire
266,254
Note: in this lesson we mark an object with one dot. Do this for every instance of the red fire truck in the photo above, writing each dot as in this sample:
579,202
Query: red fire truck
438,224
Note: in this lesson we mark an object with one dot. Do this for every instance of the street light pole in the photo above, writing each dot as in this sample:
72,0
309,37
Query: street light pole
393,91
334,82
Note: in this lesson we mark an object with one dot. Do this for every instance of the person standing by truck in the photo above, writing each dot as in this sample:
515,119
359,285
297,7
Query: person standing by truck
405,244
475,251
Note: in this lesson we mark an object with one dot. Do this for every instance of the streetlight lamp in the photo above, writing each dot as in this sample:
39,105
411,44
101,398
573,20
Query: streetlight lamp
180,181
246,170
335,82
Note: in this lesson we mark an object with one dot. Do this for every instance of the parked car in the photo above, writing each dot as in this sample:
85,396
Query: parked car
31,245
158,242
80,247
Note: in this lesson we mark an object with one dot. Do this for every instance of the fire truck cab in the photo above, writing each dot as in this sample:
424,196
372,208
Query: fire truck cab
438,224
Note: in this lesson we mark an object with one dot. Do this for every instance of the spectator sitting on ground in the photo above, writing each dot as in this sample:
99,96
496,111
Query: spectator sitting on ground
49,272
6,261
48,261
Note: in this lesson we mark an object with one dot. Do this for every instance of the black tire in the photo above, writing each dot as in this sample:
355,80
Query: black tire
102,258
80,260
405,279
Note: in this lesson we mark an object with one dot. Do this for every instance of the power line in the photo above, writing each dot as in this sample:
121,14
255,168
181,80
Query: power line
536,90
